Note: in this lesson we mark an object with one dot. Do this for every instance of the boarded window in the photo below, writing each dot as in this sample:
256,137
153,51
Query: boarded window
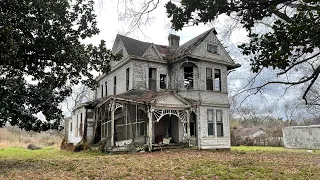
163,81
219,119
217,79
212,48
188,77
127,79
114,85
209,80
211,124
152,79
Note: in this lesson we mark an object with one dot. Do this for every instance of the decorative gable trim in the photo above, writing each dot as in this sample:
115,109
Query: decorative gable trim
154,48
164,100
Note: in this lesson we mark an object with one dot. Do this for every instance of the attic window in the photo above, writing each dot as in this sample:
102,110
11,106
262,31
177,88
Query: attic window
212,48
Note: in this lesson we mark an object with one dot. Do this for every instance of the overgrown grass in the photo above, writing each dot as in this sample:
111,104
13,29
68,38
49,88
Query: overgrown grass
269,149
240,163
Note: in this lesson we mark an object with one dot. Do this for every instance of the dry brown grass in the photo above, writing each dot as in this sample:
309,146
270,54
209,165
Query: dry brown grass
15,137
174,164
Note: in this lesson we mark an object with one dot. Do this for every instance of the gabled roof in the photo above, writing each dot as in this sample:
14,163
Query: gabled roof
133,46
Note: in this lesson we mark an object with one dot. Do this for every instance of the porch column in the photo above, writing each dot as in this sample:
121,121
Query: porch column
150,130
112,123
188,126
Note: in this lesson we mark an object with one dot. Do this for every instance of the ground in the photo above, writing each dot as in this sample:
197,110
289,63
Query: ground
239,163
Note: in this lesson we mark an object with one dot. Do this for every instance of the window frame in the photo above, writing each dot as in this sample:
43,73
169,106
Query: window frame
127,79
163,83
215,123
212,44
209,79
215,79
114,85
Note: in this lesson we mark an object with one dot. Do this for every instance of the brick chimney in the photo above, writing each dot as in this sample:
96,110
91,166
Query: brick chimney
173,40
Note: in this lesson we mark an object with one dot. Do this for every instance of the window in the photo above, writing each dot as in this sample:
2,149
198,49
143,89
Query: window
211,124
77,125
127,79
101,90
217,79
215,125
163,81
212,48
209,80
114,85
81,124
152,79
106,87
120,52
71,126
193,129
188,77
219,120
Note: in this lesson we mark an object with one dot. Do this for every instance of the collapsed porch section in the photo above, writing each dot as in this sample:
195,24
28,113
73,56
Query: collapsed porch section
140,120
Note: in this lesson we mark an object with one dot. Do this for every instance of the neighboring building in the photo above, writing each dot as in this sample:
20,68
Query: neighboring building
250,133
159,94
303,137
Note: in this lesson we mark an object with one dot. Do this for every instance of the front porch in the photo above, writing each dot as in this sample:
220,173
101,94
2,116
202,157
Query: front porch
133,125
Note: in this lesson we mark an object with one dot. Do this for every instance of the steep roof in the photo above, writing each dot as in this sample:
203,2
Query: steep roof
133,46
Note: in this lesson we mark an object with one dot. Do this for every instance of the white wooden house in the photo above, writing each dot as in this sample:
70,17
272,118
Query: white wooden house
160,94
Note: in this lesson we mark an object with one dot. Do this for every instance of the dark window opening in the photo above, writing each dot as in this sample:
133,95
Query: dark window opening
106,87
152,79
101,90
209,80
212,48
80,128
71,126
217,79
188,77
127,79
114,85
163,81
193,126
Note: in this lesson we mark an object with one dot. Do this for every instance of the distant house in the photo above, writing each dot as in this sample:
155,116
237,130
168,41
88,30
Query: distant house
159,94
250,133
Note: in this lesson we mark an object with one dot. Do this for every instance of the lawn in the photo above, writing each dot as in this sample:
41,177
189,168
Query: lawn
239,163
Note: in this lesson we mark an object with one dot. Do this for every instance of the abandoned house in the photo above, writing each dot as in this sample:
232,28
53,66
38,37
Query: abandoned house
160,95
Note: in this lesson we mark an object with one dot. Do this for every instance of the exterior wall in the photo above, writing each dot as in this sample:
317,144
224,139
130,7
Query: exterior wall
151,54
121,81
212,142
74,135
141,74
303,137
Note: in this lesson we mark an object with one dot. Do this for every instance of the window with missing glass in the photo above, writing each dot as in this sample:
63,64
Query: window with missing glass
163,81
212,48
217,79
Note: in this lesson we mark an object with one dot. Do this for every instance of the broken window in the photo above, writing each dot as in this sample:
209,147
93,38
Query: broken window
163,81
219,119
188,77
211,123
127,79
114,85
217,79
152,79
193,129
101,90
209,80
212,48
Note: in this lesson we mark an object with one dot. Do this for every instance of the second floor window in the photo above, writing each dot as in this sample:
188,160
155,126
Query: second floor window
188,77
163,81
101,90
212,48
114,85
127,79
209,80
217,79
152,79
106,87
